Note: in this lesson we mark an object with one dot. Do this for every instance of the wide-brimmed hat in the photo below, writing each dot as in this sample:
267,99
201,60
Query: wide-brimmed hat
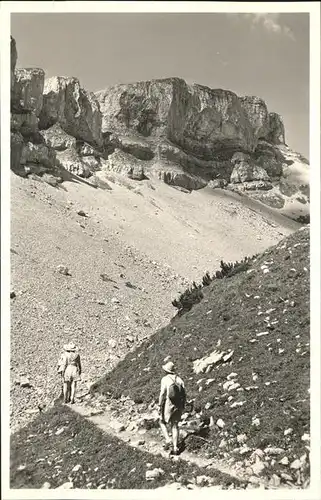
169,367
70,347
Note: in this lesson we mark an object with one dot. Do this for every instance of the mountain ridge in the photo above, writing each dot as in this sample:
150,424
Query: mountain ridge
188,136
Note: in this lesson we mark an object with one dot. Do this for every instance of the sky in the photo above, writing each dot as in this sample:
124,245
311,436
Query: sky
266,55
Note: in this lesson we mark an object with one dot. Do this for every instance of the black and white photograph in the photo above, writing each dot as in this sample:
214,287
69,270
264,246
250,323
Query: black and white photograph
160,162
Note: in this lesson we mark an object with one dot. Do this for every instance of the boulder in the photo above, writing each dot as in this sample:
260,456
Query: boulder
57,138
70,161
244,172
26,94
272,199
25,123
174,176
153,474
125,164
76,110
37,154
133,145
217,184
251,186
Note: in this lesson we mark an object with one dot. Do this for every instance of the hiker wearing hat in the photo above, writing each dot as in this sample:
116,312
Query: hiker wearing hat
171,405
70,369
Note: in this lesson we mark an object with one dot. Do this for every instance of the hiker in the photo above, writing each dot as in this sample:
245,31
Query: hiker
70,369
172,400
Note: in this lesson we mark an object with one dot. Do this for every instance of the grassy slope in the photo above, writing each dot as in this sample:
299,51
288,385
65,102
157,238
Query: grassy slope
236,304
105,461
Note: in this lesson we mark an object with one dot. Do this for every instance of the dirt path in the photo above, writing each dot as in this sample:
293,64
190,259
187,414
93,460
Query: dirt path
150,441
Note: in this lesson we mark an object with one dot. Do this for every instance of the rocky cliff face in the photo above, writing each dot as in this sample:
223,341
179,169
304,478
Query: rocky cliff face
186,135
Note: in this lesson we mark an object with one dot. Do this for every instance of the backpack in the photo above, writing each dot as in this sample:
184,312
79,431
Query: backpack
177,395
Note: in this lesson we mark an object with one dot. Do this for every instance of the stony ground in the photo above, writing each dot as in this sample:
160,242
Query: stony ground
101,266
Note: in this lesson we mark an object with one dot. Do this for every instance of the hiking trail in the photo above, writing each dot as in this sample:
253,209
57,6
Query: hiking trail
150,441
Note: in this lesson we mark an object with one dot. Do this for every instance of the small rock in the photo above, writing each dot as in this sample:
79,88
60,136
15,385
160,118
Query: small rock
296,464
66,486
254,480
241,438
244,449
258,453
30,411
228,356
258,467
21,467
156,473
237,403
12,295
286,476
59,431
223,444
63,270
231,375
288,431
284,461
76,468
234,386
220,423
46,485
203,480
25,382
114,300
118,426
305,437
138,442
273,451
82,213
256,422
275,481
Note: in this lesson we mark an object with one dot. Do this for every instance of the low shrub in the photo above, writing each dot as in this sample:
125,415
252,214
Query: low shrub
193,294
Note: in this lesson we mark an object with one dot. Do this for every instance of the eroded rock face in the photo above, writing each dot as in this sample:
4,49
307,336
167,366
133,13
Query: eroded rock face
198,119
244,172
276,133
29,153
126,164
13,60
257,114
16,145
57,138
76,110
27,90
189,136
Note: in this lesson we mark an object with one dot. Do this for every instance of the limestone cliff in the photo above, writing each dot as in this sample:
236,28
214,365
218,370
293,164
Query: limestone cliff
186,135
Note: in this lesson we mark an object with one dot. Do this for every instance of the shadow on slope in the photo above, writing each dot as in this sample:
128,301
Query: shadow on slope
260,317
60,446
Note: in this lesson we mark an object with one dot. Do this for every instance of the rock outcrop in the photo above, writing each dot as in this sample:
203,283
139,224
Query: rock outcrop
29,153
189,136
75,109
